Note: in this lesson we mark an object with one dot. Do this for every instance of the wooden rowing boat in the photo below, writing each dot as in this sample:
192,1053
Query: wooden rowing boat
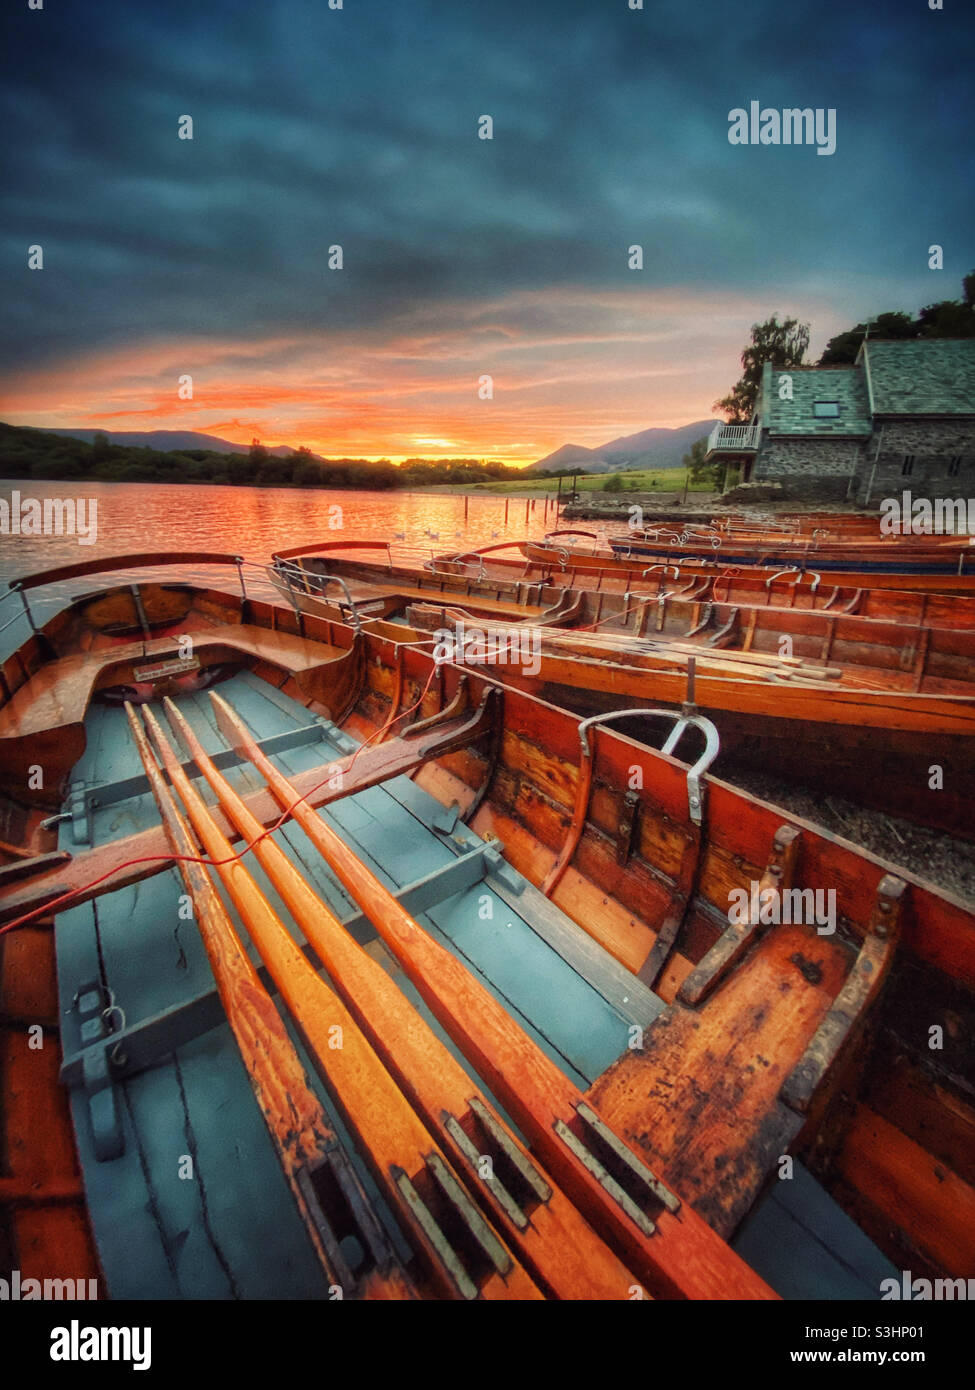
931,554
493,585
471,913
624,559
858,710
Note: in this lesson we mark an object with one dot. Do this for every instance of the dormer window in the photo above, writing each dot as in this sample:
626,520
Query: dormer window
826,410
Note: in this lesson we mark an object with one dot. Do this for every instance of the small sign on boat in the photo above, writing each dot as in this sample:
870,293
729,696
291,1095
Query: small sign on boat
176,667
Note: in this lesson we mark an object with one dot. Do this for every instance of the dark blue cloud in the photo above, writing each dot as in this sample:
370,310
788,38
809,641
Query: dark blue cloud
359,127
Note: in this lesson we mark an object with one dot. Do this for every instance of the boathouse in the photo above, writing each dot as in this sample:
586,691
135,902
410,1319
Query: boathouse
902,415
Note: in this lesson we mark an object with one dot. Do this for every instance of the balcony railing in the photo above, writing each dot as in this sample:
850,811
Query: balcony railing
734,438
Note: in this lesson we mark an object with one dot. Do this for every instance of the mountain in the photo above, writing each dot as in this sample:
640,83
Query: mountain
568,455
653,448
169,440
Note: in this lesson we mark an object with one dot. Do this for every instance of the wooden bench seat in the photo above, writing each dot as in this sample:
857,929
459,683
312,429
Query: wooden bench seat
60,692
42,725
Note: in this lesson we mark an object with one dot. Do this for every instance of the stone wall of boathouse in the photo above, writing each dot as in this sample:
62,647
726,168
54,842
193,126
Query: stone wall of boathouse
809,469
931,458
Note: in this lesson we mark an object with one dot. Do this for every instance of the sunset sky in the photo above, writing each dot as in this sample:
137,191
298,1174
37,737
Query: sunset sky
462,257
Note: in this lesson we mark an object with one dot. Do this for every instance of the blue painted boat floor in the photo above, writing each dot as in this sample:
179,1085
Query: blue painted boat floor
162,1235
805,1246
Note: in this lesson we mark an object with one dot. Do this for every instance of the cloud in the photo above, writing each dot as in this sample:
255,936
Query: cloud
358,127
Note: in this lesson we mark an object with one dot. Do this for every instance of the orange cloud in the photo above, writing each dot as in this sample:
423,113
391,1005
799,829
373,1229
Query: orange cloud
580,366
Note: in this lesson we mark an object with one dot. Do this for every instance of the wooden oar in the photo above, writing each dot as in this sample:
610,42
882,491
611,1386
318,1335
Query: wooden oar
745,665
675,1253
415,1177
537,1219
302,1136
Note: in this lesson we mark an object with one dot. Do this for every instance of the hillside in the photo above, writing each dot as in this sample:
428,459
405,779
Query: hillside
648,449
167,441
59,454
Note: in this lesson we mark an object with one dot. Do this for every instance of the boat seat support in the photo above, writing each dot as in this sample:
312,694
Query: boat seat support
101,794
95,1009
735,940
862,986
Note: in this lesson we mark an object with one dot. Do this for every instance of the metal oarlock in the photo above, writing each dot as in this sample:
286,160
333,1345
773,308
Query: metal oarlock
683,720
287,572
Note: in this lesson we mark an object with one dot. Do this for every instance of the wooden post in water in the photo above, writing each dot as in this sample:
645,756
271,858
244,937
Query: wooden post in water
506,501
467,498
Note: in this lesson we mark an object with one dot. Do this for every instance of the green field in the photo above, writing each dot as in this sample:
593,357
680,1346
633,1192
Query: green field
639,480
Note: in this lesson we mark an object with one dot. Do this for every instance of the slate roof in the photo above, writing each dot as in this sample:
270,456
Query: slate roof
921,376
845,385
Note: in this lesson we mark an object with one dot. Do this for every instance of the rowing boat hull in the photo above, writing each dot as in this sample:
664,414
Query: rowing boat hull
608,865
846,574
527,592
838,743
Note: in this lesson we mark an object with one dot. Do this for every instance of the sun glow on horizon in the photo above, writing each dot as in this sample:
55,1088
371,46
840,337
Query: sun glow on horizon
578,367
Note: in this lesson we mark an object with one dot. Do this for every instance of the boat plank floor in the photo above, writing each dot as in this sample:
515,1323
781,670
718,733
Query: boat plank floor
838,1260
570,1019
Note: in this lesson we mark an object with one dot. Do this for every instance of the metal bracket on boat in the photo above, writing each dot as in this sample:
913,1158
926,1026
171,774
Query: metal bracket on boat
466,1223
799,576
695,792
682,721
288,571
622,1175
80,811
96,1008
523,1187
349,1212
627,827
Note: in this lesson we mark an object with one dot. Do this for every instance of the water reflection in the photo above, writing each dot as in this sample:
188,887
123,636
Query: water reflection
253,522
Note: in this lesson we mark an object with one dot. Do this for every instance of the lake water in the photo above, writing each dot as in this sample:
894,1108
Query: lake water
252,522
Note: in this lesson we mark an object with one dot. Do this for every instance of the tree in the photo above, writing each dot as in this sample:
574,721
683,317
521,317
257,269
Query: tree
845,346
700,471
257,452
783,344
949,318
614,483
